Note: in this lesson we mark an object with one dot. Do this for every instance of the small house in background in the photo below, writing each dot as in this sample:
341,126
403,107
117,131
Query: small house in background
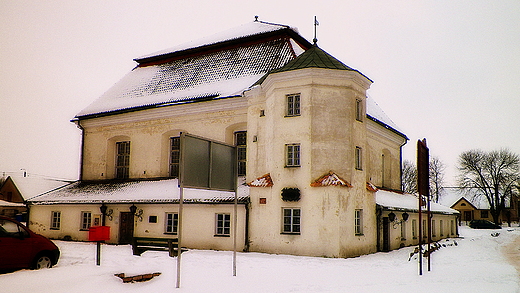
477,208
16,189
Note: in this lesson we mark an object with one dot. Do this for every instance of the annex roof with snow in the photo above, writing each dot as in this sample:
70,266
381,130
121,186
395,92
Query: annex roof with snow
136,191
396,201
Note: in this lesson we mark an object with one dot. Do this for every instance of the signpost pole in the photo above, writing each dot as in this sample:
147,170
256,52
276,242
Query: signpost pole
181,202
423,188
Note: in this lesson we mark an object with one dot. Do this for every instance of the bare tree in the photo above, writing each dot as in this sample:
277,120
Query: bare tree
437,168
409,177
493,174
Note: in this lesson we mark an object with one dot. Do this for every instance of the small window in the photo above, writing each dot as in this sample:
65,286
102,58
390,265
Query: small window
172,221
441,227
463,204
222,225
55,220
414,229
434,233
359,110
175,156
86,220
484,214
291,220
241,144
359,158
122,159
293,105
152,219
358,222
292,154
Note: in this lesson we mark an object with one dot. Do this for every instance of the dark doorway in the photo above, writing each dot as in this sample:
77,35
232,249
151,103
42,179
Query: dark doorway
386,234
126,227
468,216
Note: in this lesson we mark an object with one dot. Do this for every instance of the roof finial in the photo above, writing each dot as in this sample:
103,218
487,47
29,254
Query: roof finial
256,17
316,23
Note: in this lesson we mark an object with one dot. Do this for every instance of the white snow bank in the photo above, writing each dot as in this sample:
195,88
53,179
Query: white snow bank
476,264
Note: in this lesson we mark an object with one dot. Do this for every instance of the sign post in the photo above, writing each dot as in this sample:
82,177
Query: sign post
423,187
98,234
205,164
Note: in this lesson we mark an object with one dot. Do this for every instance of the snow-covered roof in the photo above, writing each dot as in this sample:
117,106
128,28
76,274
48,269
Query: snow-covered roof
375,112
138,191
32,185
242,31
406,202
4,203
206,73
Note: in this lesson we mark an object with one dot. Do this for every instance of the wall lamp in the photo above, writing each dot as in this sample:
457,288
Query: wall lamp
137,213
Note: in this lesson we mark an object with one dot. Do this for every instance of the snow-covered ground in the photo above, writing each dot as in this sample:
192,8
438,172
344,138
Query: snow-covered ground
478,263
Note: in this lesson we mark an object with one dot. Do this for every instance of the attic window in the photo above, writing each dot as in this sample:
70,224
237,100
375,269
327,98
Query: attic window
463,204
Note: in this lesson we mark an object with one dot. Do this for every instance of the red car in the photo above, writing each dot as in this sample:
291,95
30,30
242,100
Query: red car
22,248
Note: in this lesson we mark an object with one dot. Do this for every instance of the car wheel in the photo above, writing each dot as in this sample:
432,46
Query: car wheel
42,261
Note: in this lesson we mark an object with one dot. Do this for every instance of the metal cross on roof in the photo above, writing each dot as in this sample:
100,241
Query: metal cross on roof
316,23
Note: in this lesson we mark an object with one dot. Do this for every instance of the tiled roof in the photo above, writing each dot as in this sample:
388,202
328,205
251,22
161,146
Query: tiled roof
264,181
208,73
135,191
330,179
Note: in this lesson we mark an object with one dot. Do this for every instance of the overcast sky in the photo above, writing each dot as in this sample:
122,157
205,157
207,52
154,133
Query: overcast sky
447,71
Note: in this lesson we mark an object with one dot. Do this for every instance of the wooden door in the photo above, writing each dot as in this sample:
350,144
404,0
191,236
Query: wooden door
386,234
126,227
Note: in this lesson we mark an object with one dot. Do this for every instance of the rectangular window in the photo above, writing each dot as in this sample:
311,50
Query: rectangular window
122,159
424,228
293,105
175,156
433,229
359,158
172,222
441,227
222,224
241,144
55,220
414,229
359,110
358,222
86,220
452,227
291,220
292,154
484,214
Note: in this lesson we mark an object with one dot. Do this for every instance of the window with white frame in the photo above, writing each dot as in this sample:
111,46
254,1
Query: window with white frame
358,222
175,156
86,220
292,155
359,158
291,220
171,223
222,224
55,220
293,105
122,159
414,229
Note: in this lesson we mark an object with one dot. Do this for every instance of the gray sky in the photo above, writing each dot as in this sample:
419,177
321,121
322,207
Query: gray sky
445,70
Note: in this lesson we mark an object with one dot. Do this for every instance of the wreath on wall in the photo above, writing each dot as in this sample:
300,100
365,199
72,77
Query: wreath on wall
290,194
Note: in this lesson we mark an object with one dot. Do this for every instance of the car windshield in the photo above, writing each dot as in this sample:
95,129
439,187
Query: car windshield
11,229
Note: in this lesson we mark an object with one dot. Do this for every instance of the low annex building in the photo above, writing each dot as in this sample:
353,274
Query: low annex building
315,154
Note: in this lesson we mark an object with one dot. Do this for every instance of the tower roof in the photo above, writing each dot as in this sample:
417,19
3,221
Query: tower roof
315,57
